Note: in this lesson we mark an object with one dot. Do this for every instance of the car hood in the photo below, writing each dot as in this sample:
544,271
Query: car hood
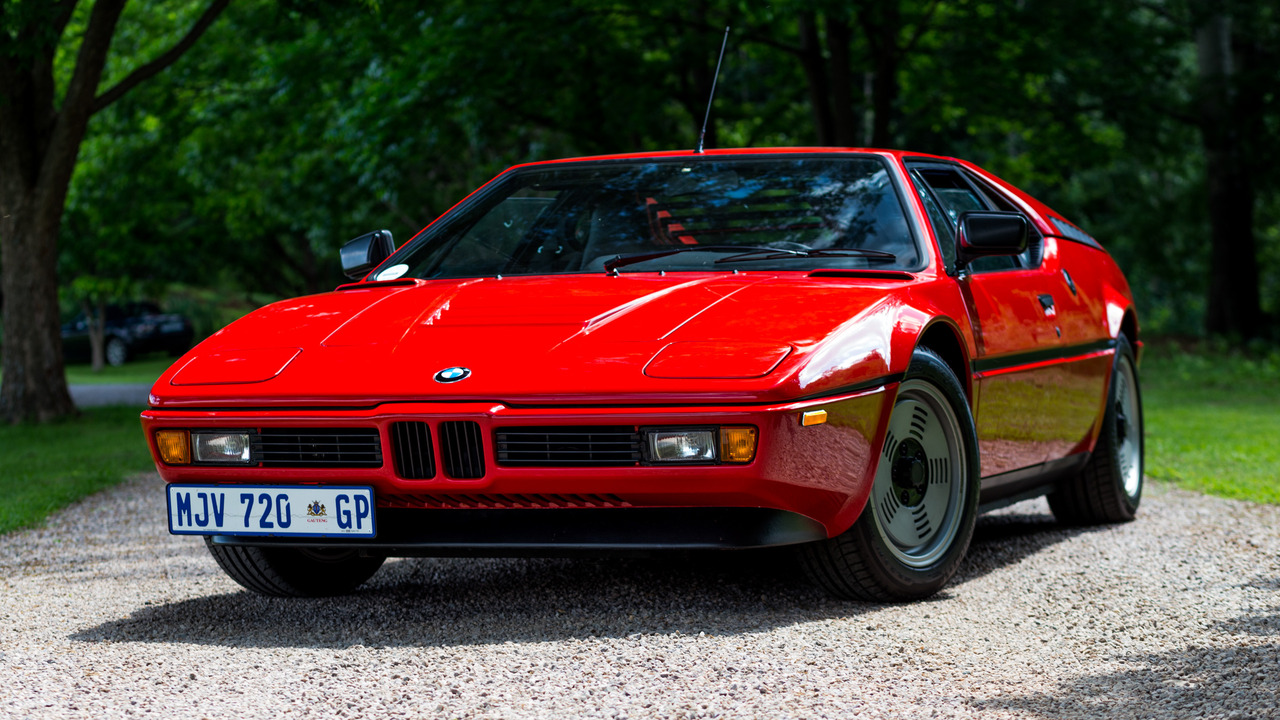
569,339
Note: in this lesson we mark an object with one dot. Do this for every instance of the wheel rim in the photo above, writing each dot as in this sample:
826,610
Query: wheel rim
920,485
1128,427
116,352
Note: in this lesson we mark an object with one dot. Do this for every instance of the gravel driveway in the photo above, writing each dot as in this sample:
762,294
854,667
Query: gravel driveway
1175,615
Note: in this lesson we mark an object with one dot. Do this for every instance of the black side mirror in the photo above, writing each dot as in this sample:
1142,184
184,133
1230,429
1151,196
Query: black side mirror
366,253
983,234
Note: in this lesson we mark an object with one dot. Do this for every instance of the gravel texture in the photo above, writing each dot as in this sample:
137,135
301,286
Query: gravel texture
1174,615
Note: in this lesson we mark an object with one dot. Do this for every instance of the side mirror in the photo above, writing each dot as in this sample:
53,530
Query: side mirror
983,234
366,253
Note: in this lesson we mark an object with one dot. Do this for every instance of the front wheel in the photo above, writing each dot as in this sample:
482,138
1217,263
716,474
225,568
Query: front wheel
919,519
295,572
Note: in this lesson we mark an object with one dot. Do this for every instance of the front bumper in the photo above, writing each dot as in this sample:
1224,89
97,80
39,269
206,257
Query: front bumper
804,483
515,533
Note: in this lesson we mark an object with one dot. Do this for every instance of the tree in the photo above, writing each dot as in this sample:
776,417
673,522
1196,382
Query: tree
40,137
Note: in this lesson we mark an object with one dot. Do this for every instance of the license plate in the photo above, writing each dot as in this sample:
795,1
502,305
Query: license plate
293,511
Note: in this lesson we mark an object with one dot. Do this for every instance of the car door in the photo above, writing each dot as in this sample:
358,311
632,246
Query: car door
1013,306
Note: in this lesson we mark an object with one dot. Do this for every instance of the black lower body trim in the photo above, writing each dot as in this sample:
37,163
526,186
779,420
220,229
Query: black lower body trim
1017,485
552,532
1004,362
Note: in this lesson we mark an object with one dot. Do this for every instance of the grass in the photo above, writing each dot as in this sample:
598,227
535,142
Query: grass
1213,420
145,370
142,371
46,467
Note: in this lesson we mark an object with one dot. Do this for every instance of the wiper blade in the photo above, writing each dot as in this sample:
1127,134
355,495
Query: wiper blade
624,260
777,254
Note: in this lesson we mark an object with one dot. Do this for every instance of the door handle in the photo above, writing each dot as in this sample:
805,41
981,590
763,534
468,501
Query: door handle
1071,284
1046,302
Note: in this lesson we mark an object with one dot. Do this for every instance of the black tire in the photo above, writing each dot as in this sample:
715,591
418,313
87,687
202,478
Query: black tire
295,572
116,352
1109,488
871,561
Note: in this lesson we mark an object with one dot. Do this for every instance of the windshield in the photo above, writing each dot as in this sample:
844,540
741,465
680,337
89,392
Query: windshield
691,214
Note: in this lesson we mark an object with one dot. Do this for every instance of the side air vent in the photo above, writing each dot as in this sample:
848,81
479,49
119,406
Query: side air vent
320,447
411,447
462,449
558,446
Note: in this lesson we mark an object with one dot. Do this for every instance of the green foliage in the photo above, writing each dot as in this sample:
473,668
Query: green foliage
298,125
45,467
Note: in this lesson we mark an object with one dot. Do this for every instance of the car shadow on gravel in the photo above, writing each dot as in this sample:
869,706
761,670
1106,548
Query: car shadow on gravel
1231,681
445,602
1239,676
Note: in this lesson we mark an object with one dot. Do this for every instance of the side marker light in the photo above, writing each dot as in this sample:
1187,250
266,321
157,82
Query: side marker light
813,417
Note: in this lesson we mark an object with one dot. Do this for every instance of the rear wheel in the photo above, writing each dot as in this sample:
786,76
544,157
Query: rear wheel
919,519
295,572
1109,487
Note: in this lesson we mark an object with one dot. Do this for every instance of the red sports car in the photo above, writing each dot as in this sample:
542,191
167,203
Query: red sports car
852,352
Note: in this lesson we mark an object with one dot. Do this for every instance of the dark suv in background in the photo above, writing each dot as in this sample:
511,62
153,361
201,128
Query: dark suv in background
132,329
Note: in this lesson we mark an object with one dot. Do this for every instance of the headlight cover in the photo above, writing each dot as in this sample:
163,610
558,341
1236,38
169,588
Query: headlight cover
226,447
704,445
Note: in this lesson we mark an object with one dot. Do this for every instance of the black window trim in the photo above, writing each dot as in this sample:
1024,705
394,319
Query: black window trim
980,188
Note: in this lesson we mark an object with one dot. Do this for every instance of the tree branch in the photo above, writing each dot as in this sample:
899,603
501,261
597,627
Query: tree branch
63,10
171,55
921,27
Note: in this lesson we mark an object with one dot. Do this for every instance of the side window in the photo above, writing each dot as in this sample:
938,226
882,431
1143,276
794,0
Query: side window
939,220
1030,258
957,196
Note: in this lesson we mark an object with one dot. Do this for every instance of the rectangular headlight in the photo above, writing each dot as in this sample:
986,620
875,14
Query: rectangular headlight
221,447
681,444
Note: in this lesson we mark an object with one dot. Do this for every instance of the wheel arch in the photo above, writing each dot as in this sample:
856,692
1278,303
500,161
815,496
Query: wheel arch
1129,326
943,338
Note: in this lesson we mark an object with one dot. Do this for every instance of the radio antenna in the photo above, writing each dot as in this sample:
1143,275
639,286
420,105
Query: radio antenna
703,135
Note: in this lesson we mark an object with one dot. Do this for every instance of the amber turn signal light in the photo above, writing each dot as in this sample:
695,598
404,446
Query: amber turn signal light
737,444
813,417
174,446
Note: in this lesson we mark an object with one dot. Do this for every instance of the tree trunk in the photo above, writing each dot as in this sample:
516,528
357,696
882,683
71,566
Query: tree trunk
96,319
815,73
35,385
840,73
1234,306
882,23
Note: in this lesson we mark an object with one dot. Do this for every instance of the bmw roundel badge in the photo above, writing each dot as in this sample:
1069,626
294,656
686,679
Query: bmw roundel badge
453,374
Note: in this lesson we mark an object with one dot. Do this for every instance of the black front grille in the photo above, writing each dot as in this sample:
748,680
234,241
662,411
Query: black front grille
461,449
411,448
318,447
592,446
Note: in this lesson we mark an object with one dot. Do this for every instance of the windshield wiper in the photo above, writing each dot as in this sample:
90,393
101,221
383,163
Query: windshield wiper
777,254
624,260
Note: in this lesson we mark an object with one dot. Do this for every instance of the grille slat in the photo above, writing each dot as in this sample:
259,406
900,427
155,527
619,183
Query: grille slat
411,448
462,449
560,446
318,447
